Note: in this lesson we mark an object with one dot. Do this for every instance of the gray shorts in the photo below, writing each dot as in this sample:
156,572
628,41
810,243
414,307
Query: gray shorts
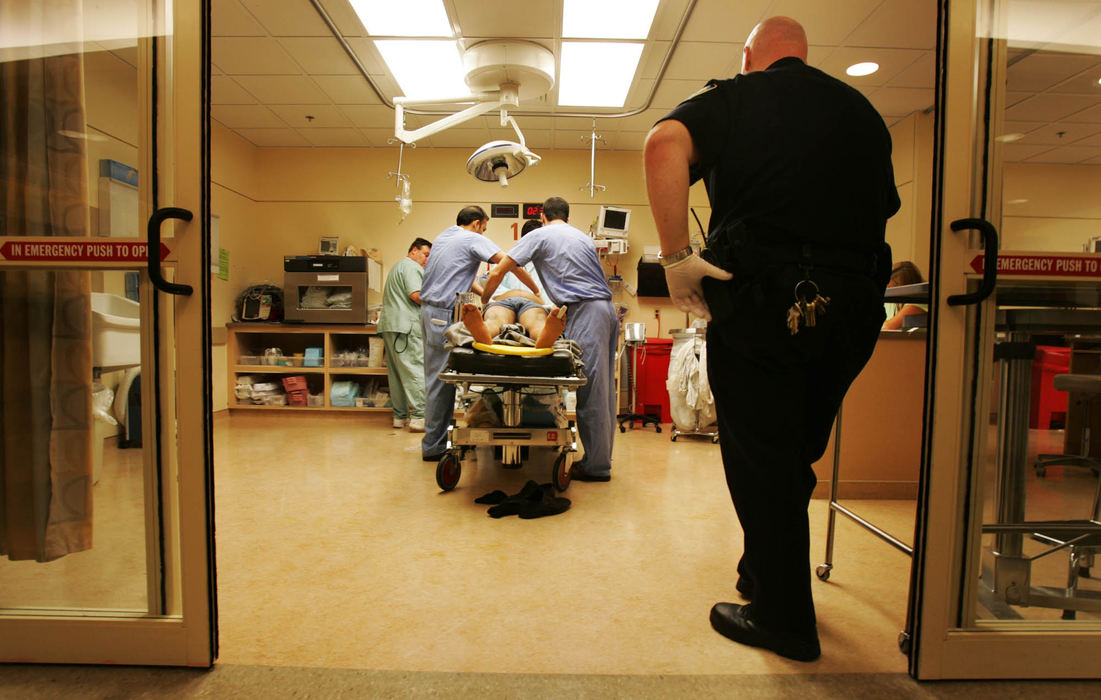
518,305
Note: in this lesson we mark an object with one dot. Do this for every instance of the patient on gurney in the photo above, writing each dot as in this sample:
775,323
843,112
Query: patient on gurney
516,306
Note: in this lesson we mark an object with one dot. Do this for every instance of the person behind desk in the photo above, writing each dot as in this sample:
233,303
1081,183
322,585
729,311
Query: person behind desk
400,327
451,269
572,276
903,273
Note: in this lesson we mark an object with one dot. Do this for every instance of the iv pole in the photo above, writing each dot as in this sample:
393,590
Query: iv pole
591,185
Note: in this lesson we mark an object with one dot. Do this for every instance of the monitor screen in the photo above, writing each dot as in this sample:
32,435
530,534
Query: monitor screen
613,221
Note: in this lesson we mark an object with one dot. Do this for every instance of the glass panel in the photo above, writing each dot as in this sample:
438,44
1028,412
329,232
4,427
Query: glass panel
1041,483
74,484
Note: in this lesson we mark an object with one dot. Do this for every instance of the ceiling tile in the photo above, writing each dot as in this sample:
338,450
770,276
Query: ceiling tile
701,61
252,56
920,74
672,92
273,138
667,20
1060,134
285,89
640,122
319,55
825,22
459,138
1015,152
508,18
381,138
1040,71
334,138
631,140
323,116
650,62
282,18
348,89
1048,107
230,18
900,102
369,115
722,20
891,62
1091,115
368,56
1067,154
1020,127
1094,140
566,140
225,91
246,116
128,54
901,24
1085,83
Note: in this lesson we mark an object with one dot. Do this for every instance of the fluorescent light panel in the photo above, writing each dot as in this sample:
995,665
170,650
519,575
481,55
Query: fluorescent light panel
607,19
403,17
596,74
425,68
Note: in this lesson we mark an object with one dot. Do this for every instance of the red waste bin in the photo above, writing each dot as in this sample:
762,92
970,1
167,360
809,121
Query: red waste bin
653,369
1046,403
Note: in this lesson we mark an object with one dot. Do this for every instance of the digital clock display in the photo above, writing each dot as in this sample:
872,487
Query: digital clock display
504,211
533,211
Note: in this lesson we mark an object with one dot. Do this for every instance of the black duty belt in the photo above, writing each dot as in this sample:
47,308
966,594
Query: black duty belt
810,255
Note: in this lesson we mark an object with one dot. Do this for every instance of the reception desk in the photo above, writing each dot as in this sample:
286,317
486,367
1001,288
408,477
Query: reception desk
881,434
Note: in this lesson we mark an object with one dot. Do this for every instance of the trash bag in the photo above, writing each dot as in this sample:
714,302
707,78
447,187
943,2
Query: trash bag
102,400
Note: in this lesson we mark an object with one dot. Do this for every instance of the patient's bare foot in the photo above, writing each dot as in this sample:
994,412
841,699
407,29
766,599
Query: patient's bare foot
472,318
552,329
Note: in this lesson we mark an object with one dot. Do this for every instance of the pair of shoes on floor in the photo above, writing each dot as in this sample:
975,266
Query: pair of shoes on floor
399,423
734,622
577,474
416,425
533,501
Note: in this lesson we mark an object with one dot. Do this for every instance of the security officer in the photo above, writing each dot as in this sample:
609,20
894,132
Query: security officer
798,171
452,267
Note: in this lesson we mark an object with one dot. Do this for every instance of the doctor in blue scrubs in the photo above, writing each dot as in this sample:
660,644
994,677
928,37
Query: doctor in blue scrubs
571,275
451,270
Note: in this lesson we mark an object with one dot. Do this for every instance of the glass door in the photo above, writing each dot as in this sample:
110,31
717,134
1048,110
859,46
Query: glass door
105,539
1004,579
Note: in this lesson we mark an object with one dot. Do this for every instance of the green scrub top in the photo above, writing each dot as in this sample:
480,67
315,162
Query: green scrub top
400,314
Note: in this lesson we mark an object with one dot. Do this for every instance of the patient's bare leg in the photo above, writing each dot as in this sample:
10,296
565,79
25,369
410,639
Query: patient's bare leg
497,317
545,329
472,319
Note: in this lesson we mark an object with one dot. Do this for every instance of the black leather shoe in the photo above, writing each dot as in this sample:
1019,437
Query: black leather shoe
730,620
577,475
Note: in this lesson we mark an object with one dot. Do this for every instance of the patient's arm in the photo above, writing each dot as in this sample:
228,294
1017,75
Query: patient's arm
523,276
497,274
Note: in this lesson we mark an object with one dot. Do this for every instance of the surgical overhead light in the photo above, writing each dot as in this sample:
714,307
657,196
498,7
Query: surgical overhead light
497,161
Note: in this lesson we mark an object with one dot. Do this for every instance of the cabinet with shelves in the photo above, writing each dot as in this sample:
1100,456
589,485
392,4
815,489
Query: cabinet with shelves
344,356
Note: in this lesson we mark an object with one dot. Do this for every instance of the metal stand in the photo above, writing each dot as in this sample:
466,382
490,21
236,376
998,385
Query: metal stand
824,569
631,417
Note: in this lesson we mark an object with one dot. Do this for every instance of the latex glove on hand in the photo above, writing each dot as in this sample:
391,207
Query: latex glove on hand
683,278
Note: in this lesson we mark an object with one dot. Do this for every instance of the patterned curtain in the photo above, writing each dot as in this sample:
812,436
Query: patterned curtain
46,423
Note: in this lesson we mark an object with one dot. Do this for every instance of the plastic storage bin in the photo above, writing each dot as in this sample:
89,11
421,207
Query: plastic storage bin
653,369
1046,405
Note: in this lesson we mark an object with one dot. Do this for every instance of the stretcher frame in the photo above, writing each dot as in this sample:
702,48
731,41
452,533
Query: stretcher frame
512,437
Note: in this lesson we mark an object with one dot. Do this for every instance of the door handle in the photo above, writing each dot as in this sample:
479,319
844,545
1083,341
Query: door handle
989,261
153,258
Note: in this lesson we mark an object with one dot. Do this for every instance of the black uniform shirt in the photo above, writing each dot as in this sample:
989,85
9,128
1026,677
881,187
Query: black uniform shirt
797,155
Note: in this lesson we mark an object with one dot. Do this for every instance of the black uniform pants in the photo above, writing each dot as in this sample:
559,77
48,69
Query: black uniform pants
776,396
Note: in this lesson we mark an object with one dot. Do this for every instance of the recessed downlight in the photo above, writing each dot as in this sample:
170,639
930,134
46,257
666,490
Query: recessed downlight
859,69
1009,138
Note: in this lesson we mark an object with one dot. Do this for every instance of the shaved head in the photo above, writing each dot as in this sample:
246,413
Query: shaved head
771,40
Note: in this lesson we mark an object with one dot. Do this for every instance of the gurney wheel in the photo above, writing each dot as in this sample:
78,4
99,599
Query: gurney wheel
823,572
561,474
673,437
714,439
448,471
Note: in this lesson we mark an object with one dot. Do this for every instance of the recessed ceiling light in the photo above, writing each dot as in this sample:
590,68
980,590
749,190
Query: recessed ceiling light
1009,138
404,18
425,68
865,68
607,19
596,74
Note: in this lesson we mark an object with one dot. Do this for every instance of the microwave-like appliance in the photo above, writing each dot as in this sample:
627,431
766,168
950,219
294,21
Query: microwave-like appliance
325,289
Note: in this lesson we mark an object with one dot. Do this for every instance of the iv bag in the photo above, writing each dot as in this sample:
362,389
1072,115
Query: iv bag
405,202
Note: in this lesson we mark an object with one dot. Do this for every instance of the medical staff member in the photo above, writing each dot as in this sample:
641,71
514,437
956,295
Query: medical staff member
451,269
798,171
572,276
400,328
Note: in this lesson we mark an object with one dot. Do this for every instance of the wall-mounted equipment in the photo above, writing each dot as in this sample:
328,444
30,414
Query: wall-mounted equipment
613,222
325,289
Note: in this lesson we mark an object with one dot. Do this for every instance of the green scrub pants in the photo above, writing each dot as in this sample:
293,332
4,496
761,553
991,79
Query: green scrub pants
405,368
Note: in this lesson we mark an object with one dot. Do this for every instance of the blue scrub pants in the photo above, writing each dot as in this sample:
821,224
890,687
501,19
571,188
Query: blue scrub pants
439,396
405,370
593,324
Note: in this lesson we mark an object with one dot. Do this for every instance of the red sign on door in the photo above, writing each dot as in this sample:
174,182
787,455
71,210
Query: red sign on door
39,250
1048,265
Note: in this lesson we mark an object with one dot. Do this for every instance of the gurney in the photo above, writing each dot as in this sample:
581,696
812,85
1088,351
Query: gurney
510,374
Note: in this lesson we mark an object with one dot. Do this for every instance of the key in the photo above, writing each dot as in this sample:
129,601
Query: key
795,316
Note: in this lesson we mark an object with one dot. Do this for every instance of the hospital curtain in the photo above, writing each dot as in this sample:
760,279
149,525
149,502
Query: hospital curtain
45,318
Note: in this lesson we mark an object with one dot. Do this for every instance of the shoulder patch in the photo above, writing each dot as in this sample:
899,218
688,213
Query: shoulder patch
702,91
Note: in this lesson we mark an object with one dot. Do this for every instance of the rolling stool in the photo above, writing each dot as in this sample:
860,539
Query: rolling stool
1088,386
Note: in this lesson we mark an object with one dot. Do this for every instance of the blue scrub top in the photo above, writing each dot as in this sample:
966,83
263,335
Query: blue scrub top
569,268
453,265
